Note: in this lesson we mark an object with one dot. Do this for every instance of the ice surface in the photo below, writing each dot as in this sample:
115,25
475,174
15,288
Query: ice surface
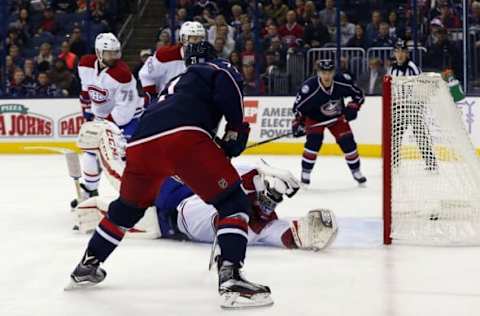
357,276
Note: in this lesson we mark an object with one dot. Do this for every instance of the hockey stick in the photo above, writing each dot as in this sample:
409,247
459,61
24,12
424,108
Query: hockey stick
212,254
266,141
73,163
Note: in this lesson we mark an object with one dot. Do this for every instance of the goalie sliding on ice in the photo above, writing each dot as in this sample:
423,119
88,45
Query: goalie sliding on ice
180,214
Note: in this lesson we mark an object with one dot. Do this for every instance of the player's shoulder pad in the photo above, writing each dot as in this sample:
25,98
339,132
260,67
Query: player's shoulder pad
343,78
169,53
88,61
120,72
309,85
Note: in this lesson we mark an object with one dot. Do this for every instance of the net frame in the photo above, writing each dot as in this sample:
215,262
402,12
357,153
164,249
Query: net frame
459,218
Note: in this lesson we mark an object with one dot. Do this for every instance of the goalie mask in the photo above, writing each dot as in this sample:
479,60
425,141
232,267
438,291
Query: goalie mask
269,198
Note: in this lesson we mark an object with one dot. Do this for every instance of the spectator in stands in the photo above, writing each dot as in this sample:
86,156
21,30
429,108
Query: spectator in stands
246,34
202,5
347,29
164,39
61,77
67,56
215,30
250,83
396,29
220,49
14,53
475,16
10,67
345,68
48,23
448,18
359,39
235,60
44,89
14,38
248,54
435,11
236,23
30,73
372,81
371,32
291,32
308,13
383,39
277,10
45,54
272,61
64,6
299,9
207,19
16,87
316,34
182,17
23,24
77,45
442,54
328,15
272,32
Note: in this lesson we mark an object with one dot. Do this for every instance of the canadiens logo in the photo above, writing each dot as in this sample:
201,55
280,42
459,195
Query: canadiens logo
98,95
331,108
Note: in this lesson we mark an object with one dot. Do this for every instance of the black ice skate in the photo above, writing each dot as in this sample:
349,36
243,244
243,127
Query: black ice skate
87,273
236,292
358,176
305,178
85,194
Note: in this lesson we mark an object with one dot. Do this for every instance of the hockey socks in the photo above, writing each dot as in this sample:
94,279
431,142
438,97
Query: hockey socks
106,238
232,234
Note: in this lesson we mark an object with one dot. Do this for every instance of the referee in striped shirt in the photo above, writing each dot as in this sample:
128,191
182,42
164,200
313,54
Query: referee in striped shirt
413,115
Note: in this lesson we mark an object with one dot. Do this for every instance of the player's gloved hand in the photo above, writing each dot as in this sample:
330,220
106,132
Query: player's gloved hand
235,139
298,126
129,128
292,185
87,114
351,111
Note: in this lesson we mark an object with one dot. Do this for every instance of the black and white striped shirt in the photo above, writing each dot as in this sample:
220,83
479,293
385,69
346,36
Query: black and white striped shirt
406,69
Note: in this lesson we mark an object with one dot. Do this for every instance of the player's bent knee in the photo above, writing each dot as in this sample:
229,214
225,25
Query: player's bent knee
123,214
314,141
232,202
347,143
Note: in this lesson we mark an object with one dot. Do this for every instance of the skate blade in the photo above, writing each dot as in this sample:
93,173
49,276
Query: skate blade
236,301
73,285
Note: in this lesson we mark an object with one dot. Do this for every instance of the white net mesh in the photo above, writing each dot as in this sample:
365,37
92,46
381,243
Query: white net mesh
434,169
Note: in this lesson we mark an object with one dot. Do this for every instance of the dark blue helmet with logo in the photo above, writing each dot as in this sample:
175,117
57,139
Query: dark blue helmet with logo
200,52
325,65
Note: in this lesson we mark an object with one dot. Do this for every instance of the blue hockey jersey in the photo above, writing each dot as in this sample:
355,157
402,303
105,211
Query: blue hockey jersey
197,98
321,105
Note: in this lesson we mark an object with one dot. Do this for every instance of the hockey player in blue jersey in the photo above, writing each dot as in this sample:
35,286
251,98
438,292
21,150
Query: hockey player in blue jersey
175,137
318,106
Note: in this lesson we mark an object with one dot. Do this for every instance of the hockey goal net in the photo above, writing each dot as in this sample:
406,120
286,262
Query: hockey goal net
431,172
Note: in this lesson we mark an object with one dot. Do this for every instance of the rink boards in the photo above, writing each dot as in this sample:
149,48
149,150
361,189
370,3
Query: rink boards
29,123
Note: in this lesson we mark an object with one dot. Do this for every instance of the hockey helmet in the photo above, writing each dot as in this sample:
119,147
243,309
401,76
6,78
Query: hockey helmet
269,198
190,28
325,65
201,52
107,42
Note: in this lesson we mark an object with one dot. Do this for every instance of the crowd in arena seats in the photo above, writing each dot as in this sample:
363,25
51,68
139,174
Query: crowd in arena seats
52,35
294,26
44,40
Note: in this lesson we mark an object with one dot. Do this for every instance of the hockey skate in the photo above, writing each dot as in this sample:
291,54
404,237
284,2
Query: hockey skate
236,292
85,194
358,176
87,273
305,178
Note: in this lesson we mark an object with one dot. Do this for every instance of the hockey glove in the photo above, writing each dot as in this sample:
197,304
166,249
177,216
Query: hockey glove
235,140
351,111
298,126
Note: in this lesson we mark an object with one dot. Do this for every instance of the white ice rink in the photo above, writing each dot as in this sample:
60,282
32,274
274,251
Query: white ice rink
357,276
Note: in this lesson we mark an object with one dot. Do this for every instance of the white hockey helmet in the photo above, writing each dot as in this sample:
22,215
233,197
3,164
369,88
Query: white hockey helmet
107,42
191,28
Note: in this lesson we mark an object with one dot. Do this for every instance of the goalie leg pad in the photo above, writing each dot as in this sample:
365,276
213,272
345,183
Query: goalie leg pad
316,231
91,171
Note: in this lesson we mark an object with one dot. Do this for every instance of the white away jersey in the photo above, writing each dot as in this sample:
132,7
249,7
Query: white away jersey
111,92
159,69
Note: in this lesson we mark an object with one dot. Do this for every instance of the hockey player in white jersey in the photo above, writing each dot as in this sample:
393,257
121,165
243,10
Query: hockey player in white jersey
179,214
167,62
108,93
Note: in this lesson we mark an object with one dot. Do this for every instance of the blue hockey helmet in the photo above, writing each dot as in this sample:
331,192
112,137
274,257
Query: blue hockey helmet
200,52
325,65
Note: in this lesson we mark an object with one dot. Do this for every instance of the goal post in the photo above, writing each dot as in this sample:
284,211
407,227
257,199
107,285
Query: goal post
431,173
